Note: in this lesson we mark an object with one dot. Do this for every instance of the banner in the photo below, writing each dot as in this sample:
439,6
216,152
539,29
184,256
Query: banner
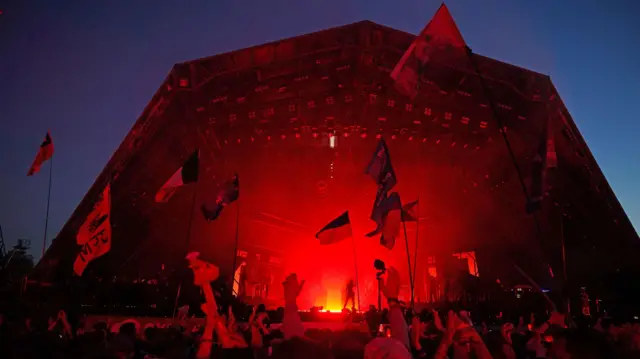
95,233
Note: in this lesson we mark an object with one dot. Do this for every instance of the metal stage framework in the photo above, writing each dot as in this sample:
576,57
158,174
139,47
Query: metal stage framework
299,118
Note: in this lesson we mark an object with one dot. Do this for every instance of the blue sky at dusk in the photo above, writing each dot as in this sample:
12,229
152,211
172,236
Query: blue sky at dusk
86,69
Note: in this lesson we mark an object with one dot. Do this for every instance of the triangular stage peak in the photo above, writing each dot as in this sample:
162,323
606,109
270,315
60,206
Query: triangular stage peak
443,28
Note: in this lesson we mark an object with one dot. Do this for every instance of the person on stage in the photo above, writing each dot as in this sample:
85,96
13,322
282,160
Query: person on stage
350,295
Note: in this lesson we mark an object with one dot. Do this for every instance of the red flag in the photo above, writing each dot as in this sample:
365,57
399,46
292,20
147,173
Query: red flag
439,34
95,233
44,154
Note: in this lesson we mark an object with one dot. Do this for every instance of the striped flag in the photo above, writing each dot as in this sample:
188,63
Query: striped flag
186,174
336,231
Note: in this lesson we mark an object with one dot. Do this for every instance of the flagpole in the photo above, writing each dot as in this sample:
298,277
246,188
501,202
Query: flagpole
415,253
406,242
564,261
235,249
503,133
186,248
46,219
355,263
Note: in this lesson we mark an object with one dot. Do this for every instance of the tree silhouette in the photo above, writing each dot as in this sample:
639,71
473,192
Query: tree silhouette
16,264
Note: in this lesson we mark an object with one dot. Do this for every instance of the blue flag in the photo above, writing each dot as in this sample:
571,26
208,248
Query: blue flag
381,170
229,192
336,231
381,211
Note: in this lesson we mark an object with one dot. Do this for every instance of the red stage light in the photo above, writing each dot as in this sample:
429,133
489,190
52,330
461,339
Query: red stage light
283,136
393,137
346,135
410,138
297,135
363,135
314,135
378,136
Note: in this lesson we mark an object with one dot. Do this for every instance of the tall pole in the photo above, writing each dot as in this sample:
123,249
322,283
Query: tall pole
502,131
355,263
406,242
564,261
415,253
235,248
186,248
46,219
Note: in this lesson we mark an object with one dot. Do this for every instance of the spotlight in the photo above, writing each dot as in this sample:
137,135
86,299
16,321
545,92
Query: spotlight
378,136
315,135
297,135
363,135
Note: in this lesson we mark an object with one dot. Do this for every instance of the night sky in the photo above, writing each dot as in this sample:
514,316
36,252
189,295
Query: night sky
85,70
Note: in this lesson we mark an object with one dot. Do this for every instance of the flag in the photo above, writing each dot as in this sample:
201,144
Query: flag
543,162
336,231
390,229
440,34
203,272
381,170
387,218
95,233
409,213
186,174
44,154
229,192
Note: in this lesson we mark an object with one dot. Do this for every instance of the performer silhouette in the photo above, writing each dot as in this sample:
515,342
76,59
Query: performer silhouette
350,295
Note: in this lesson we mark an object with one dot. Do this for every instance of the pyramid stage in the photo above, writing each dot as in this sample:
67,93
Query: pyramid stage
298,120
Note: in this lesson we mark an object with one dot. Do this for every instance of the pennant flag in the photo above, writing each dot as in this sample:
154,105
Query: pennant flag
409,213
381,170
545,160
186,174
229,192
336,231
95,233
44,154
440,34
